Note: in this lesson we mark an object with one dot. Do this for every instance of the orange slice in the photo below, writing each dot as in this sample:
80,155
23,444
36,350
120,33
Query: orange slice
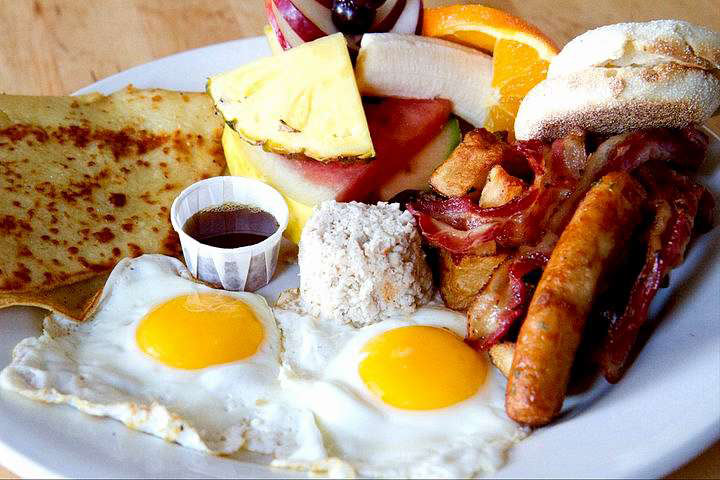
521,52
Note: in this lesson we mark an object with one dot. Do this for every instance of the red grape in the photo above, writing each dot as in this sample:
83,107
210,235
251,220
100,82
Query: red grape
374,4
352,16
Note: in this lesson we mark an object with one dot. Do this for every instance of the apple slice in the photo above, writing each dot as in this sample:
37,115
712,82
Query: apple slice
303,26
272,20
292,39
298,21
410,20
313,11
272,40
387,15
415,175
410,66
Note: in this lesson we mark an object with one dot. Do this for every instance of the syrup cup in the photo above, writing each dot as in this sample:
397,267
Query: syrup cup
244,268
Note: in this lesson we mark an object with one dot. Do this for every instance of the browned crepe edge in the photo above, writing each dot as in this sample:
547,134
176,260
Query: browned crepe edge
77,300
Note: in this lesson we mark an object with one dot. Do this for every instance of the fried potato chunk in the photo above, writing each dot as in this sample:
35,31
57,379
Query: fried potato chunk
487,306
500,188
468,166
462,278
550,335
501,355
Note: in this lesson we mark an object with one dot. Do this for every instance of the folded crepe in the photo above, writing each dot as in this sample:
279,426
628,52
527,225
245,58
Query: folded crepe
88,180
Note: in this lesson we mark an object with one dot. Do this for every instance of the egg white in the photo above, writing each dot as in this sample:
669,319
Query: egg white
320,363
97,367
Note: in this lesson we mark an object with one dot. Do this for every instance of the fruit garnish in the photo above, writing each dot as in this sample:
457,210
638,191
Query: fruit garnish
521,52
416,174
272,40
298,21
411,66
408,135
373,3
295,22
352,16
303,100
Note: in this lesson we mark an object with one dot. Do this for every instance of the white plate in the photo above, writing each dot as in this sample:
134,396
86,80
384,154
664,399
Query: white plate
664,412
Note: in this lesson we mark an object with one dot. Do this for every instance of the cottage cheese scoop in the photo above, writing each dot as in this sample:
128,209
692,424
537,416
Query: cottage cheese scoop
362,263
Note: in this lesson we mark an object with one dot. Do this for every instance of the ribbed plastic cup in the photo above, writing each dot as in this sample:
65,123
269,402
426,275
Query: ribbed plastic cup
243,268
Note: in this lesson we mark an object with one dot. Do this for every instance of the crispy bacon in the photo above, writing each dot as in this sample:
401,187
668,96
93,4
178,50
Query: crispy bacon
562,175
508,297
458,224
527,226
452,239
684,149
463,213
570,156
675,201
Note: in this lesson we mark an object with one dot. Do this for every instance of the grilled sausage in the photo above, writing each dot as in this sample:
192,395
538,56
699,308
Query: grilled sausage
550,335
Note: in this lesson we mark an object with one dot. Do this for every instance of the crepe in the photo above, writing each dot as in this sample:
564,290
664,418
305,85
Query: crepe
88,180
75,300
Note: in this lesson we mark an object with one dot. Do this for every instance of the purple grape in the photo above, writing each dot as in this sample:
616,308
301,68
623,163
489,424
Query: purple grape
374,4
353,16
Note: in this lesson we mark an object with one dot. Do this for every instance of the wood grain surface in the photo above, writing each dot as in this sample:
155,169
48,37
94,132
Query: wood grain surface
55,47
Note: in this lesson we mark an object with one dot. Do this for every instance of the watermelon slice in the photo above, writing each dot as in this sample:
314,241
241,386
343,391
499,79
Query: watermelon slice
400,128
416,174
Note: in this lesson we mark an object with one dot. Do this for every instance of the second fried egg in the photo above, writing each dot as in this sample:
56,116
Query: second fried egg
405,397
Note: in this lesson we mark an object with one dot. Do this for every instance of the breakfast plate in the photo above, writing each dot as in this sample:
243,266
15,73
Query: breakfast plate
664,412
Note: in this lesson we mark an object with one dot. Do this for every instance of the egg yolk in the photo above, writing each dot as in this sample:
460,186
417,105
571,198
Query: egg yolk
198,330
421,368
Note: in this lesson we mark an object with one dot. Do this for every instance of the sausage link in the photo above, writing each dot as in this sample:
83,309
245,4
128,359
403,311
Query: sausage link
550,335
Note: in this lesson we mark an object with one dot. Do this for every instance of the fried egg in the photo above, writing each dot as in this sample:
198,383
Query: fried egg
173,358
405,397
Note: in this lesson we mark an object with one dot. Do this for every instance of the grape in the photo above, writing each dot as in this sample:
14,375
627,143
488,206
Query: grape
353,16
374,4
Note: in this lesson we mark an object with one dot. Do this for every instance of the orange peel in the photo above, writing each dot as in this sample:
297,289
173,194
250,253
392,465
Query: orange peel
521,52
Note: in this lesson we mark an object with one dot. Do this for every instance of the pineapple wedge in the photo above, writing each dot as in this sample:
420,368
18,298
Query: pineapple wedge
303,100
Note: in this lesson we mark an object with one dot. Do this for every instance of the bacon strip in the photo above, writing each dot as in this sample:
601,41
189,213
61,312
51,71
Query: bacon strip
569,155
499,306
458,224
452,239
562,176
463,213
683,148
675,200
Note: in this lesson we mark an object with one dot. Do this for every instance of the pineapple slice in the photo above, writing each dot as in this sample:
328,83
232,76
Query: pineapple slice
304,100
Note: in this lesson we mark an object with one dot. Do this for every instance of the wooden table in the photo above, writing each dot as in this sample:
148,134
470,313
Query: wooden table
54,47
